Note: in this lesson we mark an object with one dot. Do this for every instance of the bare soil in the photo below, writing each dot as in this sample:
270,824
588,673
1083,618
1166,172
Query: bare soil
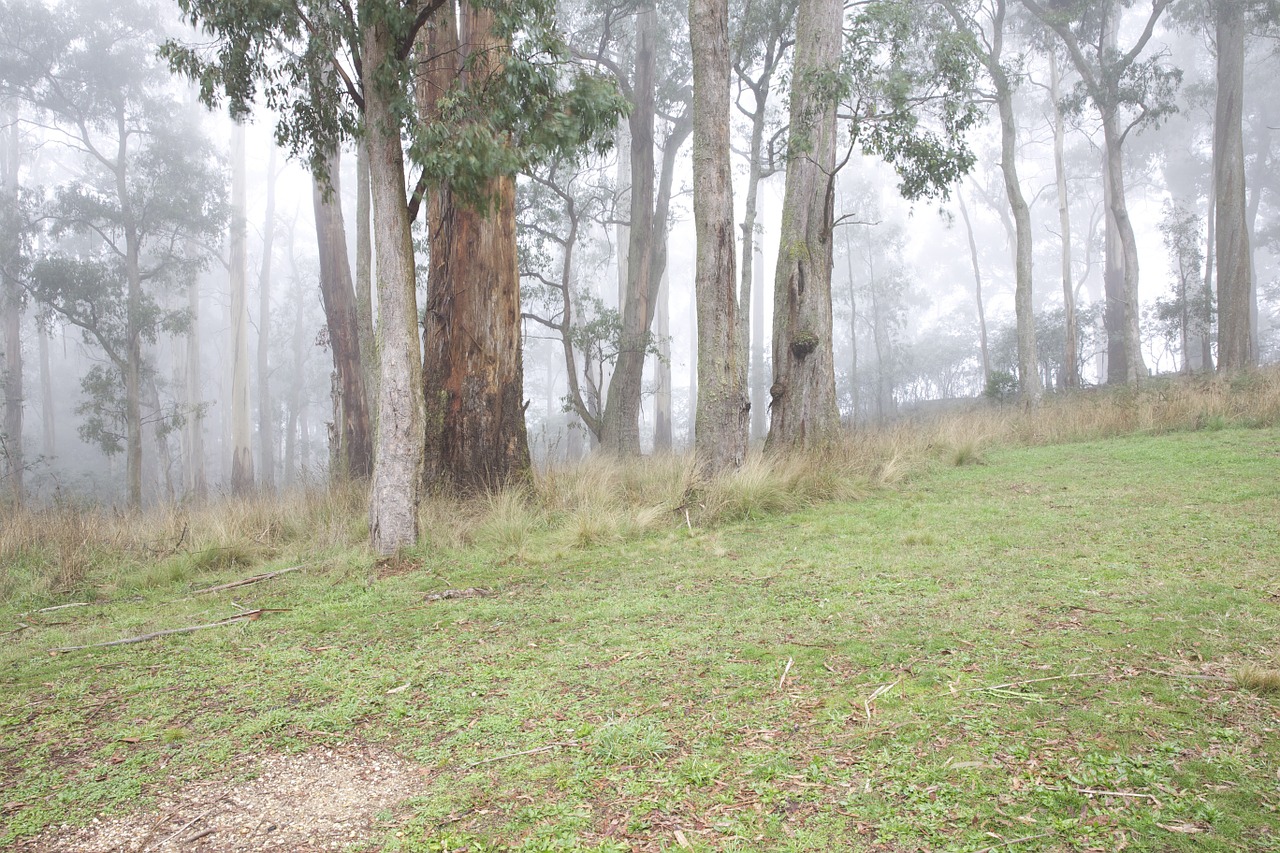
322,799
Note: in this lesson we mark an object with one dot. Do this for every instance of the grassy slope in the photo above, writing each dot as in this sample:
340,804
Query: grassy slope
654,668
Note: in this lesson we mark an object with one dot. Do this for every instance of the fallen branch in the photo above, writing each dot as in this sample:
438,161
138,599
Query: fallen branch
1012,841
190,824
1008,684
265,576
242,617
546,748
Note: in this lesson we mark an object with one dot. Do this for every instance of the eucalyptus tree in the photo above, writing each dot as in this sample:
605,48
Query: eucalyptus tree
335,72
649,60
14,231
146,187
723,407
986,22
900,84
1129,92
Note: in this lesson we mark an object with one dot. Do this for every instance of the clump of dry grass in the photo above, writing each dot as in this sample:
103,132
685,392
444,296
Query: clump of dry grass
1259,679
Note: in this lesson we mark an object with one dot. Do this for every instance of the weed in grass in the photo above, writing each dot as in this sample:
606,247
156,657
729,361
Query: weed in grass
629,741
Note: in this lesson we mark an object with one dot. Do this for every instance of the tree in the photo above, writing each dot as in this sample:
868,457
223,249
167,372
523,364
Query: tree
149,188
1129,93
266,408
334,73
241,448
723,410
900,83
985,22
1236,348
1183,316
12,261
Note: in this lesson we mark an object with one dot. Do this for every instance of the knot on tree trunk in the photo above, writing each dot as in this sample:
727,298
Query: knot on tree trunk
803,343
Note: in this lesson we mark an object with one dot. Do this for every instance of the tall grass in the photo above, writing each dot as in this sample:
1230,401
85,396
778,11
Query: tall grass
74,550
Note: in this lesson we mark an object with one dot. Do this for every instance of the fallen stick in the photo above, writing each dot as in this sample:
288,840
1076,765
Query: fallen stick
1012,841
190,824
249,616
785,670
1030,681
546,748
62,607
246,581
1129,794
198,836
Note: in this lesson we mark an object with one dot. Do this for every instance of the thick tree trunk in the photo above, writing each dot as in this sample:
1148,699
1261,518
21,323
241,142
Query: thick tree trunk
724,409
1134,368
266,410
473,370
1071,347
1113,316
977,279
296,377
241,441
397,468
352,454
1235,276
803,392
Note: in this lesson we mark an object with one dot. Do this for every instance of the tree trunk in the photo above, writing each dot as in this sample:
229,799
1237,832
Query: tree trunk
854,402
662,435
11,310
297,377
803,393
1028,362
266,411
759,379
724,409
476,437
397,466
353,453
620,430
977,278
132,366
49,443
1210,252
364,280
1235,277
241,449
1071,347
197,483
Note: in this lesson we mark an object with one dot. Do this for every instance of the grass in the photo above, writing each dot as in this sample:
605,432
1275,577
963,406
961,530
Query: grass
1068,643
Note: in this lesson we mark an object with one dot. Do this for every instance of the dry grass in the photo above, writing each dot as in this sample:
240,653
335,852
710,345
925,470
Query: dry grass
73,550
1258,679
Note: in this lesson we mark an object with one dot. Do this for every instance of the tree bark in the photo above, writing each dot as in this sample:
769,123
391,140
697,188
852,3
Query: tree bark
1234,260
241,443
803,406
759,377
724,409
473,371
398,459
364,280
197,483
351,450
266,410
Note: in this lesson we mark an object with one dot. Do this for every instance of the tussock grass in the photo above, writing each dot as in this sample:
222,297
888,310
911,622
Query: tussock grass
1259,679
72,550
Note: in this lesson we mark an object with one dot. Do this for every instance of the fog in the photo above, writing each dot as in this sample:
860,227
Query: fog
906,330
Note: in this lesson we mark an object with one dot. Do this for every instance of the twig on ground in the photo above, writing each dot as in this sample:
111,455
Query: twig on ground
246,581
191,823
242,617
1129,794
1194,676
198,836
1012,841
1008,684
785,670
546,748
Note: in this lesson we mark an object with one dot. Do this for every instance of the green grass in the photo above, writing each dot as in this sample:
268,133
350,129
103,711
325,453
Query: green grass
1055,621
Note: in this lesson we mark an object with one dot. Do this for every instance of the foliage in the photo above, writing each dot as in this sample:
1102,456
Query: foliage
303,62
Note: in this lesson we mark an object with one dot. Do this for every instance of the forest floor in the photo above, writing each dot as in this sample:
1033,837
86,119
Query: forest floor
1059,648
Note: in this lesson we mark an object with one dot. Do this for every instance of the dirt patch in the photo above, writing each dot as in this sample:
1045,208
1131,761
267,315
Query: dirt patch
324,799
